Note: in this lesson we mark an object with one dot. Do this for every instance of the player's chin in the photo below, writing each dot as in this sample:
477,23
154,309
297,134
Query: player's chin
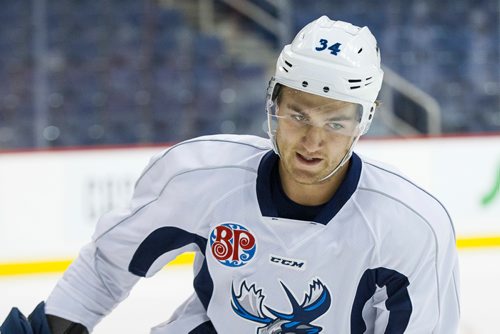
307,177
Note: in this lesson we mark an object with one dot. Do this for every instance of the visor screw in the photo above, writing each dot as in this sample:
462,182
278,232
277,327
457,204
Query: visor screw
305,84
326,89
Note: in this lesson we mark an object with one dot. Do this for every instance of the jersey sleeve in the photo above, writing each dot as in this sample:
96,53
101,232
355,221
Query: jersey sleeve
125,244
412,285
417,281
434,283
167,216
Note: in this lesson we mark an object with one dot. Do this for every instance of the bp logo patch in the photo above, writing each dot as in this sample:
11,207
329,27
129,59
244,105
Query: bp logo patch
232,244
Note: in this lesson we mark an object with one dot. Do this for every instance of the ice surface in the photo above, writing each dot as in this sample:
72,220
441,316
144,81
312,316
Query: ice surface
154,299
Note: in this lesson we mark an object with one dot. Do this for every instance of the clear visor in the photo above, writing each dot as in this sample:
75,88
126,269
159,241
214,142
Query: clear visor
296,112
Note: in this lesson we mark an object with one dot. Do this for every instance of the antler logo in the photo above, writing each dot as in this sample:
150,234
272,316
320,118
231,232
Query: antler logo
232,244
248,304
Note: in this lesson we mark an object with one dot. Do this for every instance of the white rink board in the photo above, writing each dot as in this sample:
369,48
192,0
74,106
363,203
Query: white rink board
51,201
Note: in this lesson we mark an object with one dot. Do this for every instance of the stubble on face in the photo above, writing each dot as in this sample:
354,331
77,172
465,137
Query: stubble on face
309,154
307,168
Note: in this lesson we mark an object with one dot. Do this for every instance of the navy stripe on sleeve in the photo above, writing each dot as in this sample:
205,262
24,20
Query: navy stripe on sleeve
159,242
166,239
204,285
204,328
398,301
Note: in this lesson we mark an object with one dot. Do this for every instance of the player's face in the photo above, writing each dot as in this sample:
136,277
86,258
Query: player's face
313,134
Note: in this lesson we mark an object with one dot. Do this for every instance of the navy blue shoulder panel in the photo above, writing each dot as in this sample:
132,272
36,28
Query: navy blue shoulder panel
159,242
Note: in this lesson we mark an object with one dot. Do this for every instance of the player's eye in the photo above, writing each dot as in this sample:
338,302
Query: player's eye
298,117
335,126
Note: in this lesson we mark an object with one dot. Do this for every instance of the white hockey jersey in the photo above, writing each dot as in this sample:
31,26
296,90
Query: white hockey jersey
380,257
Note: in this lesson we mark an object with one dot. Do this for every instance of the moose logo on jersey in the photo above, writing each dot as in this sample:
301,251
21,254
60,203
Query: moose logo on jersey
248,304
232,244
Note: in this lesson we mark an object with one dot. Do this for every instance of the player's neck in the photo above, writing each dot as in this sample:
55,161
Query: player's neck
312,194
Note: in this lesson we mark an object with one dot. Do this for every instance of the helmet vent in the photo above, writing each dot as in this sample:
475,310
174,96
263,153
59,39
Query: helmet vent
360,50
366,82
289,65
326,89
304,83
284,69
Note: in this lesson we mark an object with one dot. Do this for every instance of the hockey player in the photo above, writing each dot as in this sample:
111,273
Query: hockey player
296,234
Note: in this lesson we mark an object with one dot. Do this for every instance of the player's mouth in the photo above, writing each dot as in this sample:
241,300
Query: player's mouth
307,160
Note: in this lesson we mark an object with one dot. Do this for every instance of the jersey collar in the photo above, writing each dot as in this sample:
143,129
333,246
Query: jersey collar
332,207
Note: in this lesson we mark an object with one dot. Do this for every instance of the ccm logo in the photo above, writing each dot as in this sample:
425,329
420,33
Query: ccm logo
295,264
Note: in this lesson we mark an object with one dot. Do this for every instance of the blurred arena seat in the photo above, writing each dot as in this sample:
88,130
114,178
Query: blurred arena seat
126,71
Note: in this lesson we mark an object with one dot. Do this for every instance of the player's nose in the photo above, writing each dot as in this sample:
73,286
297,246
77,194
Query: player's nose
313,138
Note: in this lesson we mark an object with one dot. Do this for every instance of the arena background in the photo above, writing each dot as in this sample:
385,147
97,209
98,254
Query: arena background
90,89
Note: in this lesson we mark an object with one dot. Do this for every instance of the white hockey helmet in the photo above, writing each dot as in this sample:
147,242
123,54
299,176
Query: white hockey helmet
334,59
